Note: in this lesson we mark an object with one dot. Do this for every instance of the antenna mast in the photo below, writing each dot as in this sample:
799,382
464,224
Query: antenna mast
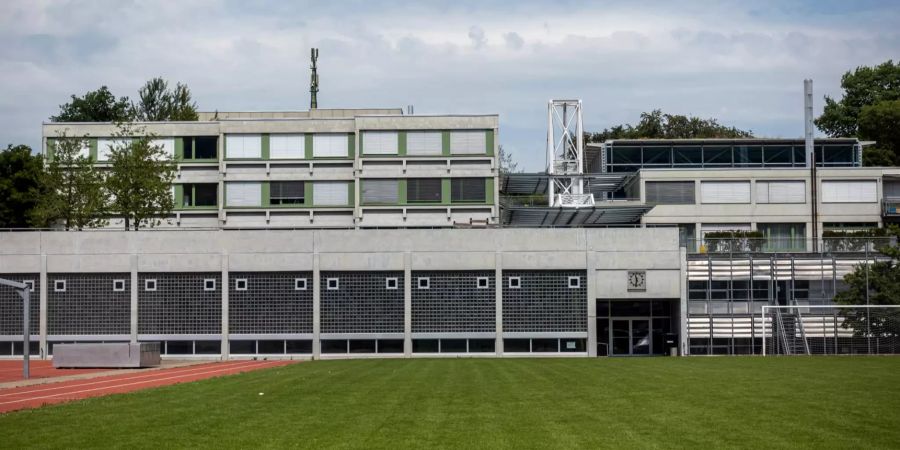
313,79
565,155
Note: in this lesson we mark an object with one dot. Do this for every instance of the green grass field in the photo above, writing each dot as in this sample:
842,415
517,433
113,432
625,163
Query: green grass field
729,402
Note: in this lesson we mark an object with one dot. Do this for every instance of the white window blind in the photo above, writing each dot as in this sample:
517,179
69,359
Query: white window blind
243,194
380,143
105,146
167,145
840,191
725,192
780,192
468,142
330,193
380,191
330,145
714,227
243,146
287,146
424,143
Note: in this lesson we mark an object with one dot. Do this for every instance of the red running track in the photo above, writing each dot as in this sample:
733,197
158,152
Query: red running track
38,395
11,370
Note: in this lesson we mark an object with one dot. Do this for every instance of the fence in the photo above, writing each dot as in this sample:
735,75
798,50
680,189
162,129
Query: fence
831,330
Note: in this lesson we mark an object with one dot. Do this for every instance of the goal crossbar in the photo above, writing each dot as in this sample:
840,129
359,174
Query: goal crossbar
767,309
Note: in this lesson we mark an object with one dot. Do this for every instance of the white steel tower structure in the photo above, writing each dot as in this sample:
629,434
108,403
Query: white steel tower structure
565,155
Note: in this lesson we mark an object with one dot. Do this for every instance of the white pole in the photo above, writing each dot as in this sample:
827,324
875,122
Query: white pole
763,317
26,328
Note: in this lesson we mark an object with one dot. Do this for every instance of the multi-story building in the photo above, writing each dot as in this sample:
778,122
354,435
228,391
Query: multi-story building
347,168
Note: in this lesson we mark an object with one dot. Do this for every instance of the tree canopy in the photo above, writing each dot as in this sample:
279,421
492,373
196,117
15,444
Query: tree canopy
156,103
876,283
95,106
75,193
657,125
20,186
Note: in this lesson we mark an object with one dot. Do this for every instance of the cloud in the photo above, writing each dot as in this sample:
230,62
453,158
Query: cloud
743,65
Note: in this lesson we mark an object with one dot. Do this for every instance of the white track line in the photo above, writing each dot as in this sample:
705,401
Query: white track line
29,399
117,378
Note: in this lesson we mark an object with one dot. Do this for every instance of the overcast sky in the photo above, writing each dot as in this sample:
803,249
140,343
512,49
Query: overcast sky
741,62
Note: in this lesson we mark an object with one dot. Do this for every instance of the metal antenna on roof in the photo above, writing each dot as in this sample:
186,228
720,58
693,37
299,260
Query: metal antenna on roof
313,80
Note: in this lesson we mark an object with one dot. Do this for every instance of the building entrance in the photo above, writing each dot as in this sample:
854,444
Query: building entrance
635,328
630,337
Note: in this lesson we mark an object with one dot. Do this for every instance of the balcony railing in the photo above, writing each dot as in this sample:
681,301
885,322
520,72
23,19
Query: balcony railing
890,207
788,245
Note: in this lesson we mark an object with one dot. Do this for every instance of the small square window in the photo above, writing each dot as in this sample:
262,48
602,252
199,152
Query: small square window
209,284
240,284
331,284
515,282
149,285
29,284
574,282
299,284
118,285
59,285
483,283
391,283
424,282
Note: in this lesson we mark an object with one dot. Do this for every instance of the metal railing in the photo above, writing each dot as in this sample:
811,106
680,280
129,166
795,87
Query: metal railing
787,245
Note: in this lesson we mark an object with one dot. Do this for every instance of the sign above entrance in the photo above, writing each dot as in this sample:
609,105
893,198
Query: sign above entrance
637,281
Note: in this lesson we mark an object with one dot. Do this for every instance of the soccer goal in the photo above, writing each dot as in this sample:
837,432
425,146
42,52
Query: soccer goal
831,330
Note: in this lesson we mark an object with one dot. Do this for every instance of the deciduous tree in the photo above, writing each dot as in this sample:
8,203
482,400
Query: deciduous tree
95,106
140,179
21,185
75,194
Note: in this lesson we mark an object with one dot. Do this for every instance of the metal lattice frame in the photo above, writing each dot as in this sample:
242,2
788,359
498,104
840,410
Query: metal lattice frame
825,329
565,154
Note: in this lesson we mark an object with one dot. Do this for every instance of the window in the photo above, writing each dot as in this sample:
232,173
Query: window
287,192
380,192
391,283
483,283
329,193
59,286
467,190
243,193
515,282
423,190
166,145
330,146
201,147
149,285
29,284
725,192
287,146
118,285
423,282
424,143
716,227
240,284
209,284
379,142
199,194
299,284
839,191
105,146
670,192
243,146
331,284
717,156
780,192
574,282
468,142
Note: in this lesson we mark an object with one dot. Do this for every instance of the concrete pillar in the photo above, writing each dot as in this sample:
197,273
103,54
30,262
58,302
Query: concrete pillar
317,308
407,304
42,312
498,297
133,261
591,280
225,325
683,313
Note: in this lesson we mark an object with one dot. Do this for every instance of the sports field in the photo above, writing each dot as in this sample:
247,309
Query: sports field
729,402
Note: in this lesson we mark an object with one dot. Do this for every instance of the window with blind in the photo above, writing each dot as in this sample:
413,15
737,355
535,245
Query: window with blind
243,193
105,147
166,145
379,142
424,143
840,191
780,192
286,192
238,146
467,190
725,192
468,142
423,190
331,193
287,146
670,192
330,146
380,192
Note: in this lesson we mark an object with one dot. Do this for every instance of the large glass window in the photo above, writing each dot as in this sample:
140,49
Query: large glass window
748,155
661,156
778,155
199,194
717,156
287,192
626,155
688,156
423,190
467,190
200,147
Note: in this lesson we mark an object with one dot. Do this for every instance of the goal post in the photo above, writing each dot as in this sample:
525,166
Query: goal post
830,329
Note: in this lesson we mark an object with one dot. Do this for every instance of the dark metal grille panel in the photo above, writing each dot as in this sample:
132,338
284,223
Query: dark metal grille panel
467,189
270,304
545,302
179,305
11,305
89,304
453,302
362,304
